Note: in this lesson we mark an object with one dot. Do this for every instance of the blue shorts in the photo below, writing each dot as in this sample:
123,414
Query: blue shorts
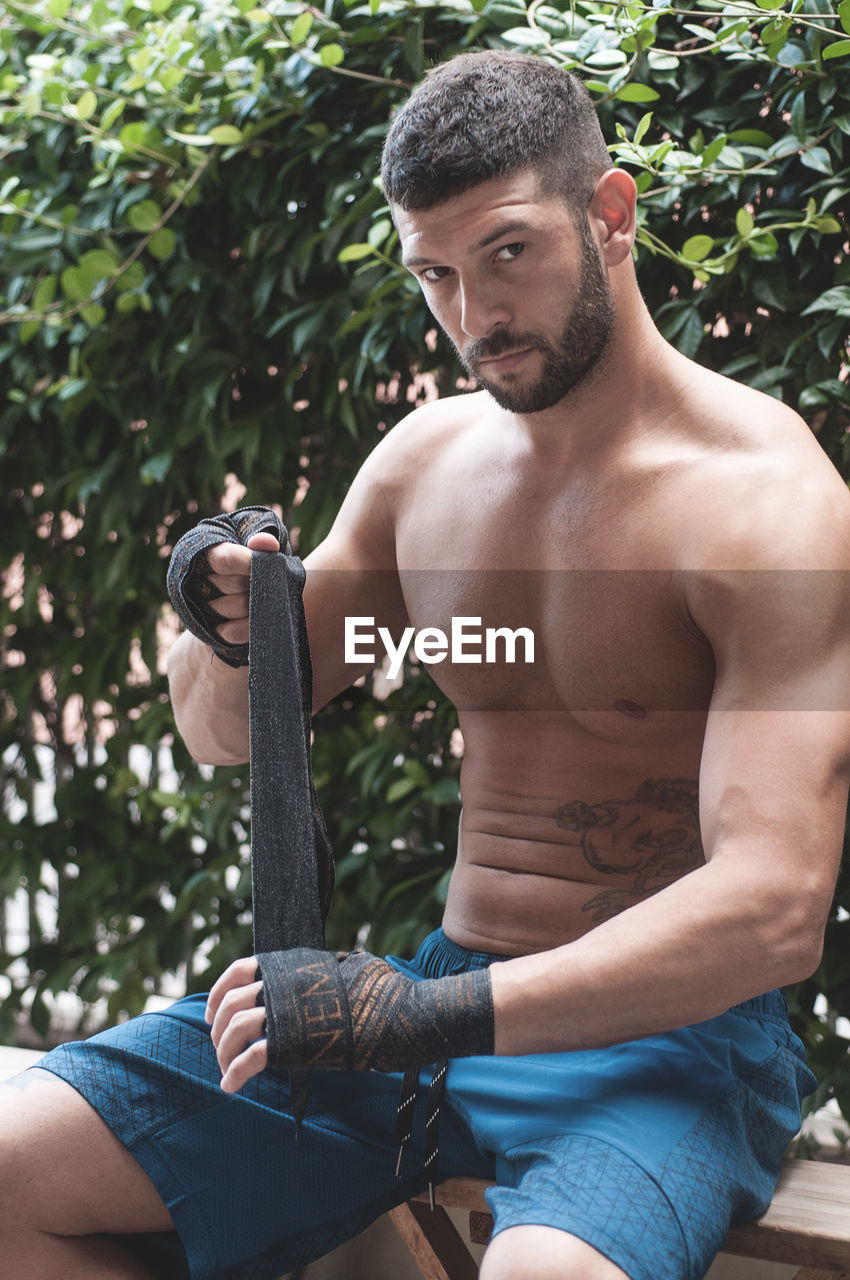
646,1150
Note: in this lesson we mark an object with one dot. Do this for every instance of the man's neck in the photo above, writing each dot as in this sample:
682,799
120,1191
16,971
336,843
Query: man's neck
630,385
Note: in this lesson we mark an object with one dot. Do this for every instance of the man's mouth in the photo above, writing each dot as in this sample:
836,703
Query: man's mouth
503,363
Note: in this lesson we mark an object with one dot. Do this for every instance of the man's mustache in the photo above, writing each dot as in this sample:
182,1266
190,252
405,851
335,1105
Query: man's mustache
498,344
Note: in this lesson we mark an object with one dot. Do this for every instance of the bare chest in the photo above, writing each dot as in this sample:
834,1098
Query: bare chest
571,604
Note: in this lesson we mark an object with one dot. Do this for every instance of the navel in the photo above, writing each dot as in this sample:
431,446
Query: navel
633,709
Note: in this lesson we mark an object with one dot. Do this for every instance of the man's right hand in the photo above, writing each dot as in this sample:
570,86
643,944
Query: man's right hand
210,697
230,573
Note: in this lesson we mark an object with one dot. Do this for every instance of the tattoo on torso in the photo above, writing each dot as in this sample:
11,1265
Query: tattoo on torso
653,839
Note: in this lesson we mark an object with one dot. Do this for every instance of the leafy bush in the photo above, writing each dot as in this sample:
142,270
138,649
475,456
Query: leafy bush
200,296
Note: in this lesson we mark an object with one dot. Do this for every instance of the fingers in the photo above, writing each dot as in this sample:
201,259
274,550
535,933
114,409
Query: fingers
263,542
230,566
231,559
237,975
250,1063
237,1025
242,1050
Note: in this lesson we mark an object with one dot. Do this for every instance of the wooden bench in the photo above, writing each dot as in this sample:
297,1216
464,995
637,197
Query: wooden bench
807,1224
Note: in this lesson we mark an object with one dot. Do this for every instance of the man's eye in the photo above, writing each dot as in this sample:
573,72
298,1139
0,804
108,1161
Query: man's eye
510,251
432,274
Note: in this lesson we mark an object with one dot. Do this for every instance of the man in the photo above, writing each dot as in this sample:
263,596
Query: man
653,812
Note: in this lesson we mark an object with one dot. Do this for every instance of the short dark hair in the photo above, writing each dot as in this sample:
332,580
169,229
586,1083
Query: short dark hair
490,115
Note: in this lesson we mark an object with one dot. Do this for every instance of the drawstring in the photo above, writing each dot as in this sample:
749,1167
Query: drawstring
432,1125
404,1115
404,1120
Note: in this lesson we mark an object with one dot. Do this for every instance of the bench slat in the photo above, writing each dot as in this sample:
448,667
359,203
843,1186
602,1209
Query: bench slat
808,1219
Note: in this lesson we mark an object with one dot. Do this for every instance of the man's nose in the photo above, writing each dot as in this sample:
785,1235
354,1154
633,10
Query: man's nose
482,310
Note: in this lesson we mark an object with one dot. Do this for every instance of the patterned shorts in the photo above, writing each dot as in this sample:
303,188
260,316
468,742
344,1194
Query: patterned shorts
646,1150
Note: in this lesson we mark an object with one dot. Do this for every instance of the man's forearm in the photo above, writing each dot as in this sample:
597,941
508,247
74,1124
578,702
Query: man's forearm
210,701
685,955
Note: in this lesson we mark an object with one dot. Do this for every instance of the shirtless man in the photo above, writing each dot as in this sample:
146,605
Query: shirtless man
652,814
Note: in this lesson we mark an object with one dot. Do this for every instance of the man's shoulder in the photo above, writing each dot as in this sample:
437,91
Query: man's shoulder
761,490
387,478
432,425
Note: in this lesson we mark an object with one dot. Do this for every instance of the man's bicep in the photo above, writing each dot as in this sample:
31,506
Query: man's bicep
345,601
776,755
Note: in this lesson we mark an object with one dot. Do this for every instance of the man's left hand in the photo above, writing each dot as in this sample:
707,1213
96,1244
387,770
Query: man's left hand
238,1024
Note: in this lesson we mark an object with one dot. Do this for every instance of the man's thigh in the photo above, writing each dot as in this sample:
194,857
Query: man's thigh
544,1253
646,1151
63,1170
246,1193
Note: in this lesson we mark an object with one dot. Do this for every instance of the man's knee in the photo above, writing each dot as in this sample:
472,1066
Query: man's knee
544,1253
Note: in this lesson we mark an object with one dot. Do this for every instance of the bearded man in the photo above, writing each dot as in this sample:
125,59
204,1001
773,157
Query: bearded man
653,810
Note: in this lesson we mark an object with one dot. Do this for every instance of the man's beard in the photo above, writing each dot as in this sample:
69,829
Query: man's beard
585,336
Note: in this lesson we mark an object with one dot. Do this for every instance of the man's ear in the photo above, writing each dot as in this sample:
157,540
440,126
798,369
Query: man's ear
611,213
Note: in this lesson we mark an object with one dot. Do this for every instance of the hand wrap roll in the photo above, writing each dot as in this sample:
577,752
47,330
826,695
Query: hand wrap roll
193,594
353,1010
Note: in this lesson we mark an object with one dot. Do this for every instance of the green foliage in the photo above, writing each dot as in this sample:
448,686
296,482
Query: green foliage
200,286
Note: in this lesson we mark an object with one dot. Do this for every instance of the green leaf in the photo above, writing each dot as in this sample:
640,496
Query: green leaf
714,150
604,58
817,158
400,788
751,137
661,61
226,135
837,300
300,28
823,393
838,49
98,264
696,248
144,216
642,127
45,293
354,252
744,223
170,77
191,139
133,136
140,59
331,55
379,231
75,285
94,314
132,278
775,35
112,113
637,93
86,105
162,243
763,243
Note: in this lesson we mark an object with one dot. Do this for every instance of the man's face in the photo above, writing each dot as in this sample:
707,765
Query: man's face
517,287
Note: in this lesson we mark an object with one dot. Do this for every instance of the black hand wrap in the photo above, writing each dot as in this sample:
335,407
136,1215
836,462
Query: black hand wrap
189,586
354,1010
